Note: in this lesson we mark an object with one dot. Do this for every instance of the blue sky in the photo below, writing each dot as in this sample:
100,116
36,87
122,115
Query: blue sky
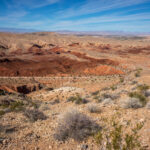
76,15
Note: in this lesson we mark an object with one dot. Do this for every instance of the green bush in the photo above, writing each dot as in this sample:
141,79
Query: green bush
77,100
16,106
114,138
138,72
113,87
140,96
2,112
121,80
143,88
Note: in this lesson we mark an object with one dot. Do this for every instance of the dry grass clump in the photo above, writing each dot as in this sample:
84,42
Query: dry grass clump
34,115
76,125
131,103
93,108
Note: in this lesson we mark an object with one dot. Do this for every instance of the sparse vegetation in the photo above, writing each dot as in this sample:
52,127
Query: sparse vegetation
95,93
2,112
148,105
76,125
131,103
93,108
114,138
77,100
138,72
107,101
96,97
139,96
34,115
113,87
142,88
16,106
11,104
121,80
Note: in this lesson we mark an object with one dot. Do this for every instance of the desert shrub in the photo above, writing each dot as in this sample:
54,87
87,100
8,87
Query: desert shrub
138,73
17,105
76,125
11,104
139,96
113,87
77,100
96,97
2,92
107,101
131,103
121,80
106,95
95,93
148,105
105,89
143,87
2,112
93,108
114,138
34,115
111,96
147,93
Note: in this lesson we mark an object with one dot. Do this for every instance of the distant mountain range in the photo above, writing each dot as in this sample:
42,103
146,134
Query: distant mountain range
105,33
15,30
91,33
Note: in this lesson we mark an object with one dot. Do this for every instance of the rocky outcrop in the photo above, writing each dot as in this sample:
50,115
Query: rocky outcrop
25,89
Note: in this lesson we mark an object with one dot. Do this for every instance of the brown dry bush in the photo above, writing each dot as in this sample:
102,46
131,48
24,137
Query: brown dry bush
34,115
76,125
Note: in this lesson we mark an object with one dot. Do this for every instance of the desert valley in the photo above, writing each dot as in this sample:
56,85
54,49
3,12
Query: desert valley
74,92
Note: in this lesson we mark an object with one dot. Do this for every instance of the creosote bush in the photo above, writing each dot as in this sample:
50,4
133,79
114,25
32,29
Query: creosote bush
2,112
138,72
77,100
114,137
113,87
95,93
75,125
143,88
139,96
121,80
34,115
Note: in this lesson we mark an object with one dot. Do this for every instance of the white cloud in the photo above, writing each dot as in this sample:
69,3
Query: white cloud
30,3
101,20
14,15
92,6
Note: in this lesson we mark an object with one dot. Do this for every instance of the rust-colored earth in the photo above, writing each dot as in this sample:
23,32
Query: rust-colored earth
59,55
